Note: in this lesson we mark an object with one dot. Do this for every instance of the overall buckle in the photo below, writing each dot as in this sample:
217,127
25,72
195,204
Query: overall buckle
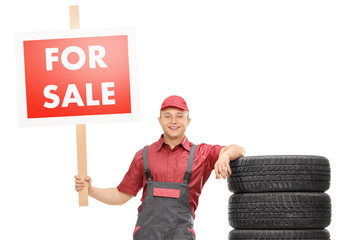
187,177
148,174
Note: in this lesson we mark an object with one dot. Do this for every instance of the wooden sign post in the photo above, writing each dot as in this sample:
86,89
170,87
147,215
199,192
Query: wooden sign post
82,162
74,17
80,128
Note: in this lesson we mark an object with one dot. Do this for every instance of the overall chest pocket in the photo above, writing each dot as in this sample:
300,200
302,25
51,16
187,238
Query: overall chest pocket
168,206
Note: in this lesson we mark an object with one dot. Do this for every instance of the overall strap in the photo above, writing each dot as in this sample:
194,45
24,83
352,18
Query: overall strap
146,164
190,163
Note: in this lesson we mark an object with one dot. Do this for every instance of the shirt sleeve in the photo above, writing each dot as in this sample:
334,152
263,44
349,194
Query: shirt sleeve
133,179
213,155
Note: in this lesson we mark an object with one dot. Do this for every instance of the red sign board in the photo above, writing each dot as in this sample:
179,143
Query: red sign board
77,76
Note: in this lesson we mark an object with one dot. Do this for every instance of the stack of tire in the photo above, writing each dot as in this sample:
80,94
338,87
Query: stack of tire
279,197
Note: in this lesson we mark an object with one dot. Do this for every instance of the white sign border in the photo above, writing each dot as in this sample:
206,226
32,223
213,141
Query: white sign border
77,33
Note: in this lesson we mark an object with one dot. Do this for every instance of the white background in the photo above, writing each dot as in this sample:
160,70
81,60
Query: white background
277,77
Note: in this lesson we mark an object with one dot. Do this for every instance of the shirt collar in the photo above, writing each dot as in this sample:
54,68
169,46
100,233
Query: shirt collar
184,143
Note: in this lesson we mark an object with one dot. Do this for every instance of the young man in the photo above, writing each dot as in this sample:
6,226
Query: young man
172,173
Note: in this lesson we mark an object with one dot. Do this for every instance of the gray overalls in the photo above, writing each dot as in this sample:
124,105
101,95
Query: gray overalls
165,213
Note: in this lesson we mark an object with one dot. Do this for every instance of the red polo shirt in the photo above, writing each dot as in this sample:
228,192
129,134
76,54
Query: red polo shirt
169,165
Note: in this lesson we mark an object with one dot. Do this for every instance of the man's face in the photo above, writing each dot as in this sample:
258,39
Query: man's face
174,122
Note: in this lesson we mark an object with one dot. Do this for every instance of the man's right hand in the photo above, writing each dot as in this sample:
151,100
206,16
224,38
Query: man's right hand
80,184
111,196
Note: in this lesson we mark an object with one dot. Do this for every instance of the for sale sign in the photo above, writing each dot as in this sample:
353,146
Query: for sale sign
77,76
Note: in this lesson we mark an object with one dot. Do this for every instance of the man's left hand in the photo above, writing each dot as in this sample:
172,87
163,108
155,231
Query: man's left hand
222,166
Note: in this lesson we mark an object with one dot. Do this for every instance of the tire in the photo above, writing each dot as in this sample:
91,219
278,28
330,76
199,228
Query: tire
279,234
279,173
288,210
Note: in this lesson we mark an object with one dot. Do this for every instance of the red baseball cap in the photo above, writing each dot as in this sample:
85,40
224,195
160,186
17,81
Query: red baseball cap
174,101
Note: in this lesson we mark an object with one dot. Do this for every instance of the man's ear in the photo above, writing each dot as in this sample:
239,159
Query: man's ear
188,121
